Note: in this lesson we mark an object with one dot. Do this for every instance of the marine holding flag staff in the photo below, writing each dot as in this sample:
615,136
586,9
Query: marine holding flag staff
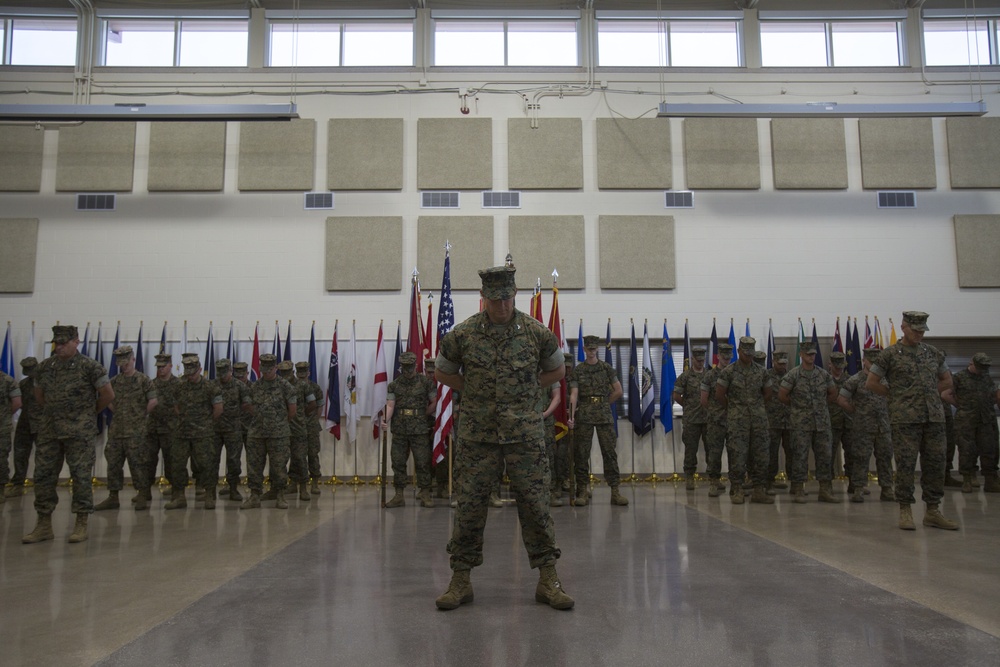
500,359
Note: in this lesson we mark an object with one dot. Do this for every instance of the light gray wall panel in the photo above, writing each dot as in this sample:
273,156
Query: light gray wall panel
365,154
455,153
21,159
977,240
364,253
187,157
533,246
897,153
18,249
549,157
278,155
809,153
471,238
722,153
637,252
96,157
634,154
973,148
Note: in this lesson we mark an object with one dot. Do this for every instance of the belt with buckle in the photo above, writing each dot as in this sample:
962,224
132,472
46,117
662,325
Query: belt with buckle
408,413
596,399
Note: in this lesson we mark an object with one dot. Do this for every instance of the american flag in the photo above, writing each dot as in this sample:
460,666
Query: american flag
443,418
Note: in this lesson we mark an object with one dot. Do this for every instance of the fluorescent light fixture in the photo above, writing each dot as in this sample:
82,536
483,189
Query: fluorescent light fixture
168,112
820,110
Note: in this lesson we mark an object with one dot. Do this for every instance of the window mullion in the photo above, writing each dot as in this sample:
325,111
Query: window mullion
991,29
342,56
506,45
177,43
828,30
5,57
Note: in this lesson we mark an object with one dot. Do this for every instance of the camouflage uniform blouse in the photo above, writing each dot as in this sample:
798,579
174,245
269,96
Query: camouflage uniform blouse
69,387
839,418
688,385
235,395
912,373
777,412
500,365
808,391
871,411
8,392
30,409
976,397
593,383
194,404
411,394
716,414
163,419
303,396
271,399
745,392
132,395
312,421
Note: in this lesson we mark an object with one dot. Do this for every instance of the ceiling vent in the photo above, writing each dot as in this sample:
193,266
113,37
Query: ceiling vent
897,199
438,199
316,201
96,201
678,199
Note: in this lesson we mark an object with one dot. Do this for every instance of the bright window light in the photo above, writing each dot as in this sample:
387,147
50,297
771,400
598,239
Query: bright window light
792,44
956,43
865,44
139,43
630,44
541,44
312,45
214,44
43,42
468,43
704,44
378,44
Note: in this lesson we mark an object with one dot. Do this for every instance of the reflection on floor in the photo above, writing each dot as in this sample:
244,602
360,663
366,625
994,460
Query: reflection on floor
677,577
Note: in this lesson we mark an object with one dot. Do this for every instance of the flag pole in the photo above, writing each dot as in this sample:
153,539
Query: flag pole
355,481
334,480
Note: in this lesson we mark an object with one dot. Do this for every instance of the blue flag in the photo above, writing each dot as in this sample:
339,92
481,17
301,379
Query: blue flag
732,341
770,345
209,366
607,360
231,346
713,342
288,343
7,363
86,341
112,372
856,345
163,340
686,357
312,354
333,388
668,378
852,361
581,354
396,369
815,341
276,345
139,364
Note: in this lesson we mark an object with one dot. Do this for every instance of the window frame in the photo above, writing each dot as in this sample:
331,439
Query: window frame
990,16
666,19
343,24
827,19
8,15
178,19
506,18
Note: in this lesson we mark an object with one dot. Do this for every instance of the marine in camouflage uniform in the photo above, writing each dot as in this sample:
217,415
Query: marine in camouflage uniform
870,421
199,403
500,359
976,398
274,406
916,380
593,388
298,445
779,435
313,427
409,400
72,390
550,399
10,402
742,389
809,390
26,431
687,392
161,428
715,433
228,428
840,421
135,398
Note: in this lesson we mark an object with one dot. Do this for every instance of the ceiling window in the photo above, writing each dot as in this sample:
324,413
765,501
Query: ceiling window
836,43
959,42
335,43
505,43
136,43
175,42
40,41
669,43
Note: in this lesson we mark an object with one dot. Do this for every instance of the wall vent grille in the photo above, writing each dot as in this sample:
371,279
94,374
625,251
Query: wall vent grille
318,201
678,199
903,199
501,199
96,201
434,199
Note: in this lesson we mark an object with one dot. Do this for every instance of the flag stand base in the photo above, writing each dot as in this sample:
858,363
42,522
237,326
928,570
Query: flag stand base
654,478
355,481
334,481
377,481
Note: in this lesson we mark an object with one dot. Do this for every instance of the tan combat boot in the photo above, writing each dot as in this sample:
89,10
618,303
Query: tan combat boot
234,493
887,494
79,533
252,502
14,491
826,493
689,483
991,483
459,591
42,531
304,491
798,492
951,481
934,519
966,483
397,500
715,488
858,496
425,498
736,494
177,501
617,498
906,518
760,496
210,498
555,498
142,499
550,590
109,503
581,498
270,494
975,480
199,494
314,489
279,500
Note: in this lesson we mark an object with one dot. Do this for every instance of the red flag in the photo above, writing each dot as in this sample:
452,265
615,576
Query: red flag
255,359
555,326
443,418
415,342
381,384
428,337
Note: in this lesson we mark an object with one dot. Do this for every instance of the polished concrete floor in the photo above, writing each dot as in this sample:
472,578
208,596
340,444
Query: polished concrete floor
675,578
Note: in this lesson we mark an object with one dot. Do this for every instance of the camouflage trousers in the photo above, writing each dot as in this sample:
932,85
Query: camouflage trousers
748,448
312,451
5,446
201,453
558,451
24,442
116,452
440,469
232,442
819,442
607,440
926,440
715,444
420,446
863,443
949,430
841,439
298,459
79,455
692,435
976,442
260,450
156,443
780,439
477,465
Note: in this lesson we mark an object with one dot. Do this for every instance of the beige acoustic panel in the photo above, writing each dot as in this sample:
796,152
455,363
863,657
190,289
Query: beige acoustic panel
809,153
278,155
977,241
897,153
973,147
18,249
634,154
637,252
546,157
21,158
721,153
471,239
454,153
365,154
540,243
364,253
96,157
187,157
